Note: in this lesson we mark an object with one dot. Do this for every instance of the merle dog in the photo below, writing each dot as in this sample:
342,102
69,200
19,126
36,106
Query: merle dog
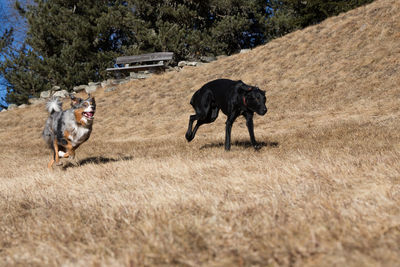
234,98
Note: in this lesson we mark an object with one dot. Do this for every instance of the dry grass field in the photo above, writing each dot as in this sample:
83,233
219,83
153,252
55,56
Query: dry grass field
324,190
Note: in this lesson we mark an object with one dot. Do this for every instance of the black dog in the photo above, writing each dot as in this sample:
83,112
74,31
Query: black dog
234,98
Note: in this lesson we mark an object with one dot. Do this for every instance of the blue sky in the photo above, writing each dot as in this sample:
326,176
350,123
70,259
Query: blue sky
3,10
2,92
8,18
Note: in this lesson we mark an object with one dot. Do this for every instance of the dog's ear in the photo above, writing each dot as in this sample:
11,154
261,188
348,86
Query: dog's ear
92,100
244,88
74,100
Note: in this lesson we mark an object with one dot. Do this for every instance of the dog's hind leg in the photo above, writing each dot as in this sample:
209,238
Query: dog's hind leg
54,147
210,116
189,133
202,104
198,124
56,155
50,164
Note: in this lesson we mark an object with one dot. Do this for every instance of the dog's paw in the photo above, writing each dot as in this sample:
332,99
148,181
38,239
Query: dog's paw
189,137
257,146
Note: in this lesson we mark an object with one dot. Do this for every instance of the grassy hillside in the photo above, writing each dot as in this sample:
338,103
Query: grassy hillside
324,190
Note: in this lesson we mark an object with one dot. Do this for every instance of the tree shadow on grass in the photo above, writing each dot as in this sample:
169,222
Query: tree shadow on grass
94,160
244,144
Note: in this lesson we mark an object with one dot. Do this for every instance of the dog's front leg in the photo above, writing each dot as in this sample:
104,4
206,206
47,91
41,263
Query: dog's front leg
70,154
250,127
228,129
70,149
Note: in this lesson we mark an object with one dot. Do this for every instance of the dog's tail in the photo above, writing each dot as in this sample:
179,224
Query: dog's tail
54,105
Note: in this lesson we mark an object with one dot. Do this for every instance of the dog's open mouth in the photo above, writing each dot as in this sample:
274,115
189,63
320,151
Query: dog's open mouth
88,115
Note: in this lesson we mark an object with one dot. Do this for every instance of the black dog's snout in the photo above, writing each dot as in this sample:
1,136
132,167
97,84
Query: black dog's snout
263,111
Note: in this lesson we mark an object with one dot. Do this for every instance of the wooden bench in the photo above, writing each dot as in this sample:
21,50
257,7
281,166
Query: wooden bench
142,62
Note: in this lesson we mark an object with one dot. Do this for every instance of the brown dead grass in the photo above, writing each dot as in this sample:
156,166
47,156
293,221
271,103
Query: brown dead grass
324,190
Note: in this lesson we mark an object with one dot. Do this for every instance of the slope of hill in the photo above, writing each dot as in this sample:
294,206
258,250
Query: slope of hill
323,190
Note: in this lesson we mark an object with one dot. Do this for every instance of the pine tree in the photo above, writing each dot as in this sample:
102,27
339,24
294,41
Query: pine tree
6,40
290,15
75,41
25,82
194,28
69,42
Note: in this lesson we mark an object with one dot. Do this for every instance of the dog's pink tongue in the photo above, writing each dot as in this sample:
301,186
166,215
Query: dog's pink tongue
89,114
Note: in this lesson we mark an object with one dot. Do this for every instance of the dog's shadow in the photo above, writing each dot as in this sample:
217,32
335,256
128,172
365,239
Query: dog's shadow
244,144
94,160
